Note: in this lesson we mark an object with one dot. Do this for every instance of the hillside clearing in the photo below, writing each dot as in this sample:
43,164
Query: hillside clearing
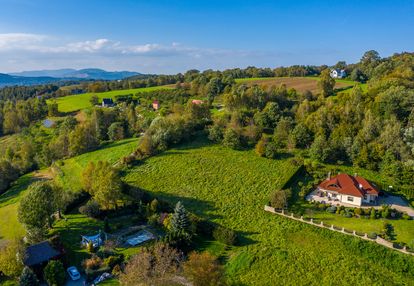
77,102
301,84
230,188
71,171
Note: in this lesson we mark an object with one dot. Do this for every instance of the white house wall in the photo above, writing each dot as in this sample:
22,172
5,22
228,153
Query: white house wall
357,200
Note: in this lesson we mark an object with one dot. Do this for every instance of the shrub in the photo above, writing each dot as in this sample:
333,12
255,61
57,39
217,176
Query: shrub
358,211
28,278
225,235
116,271
385,213
91,209
113,260
406,216
260,148
348,215
331,209
232,139
271,150
154,220
54,273
372,235
279,198
93,263
373,214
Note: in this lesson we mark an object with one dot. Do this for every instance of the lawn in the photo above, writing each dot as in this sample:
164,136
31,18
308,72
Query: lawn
231,188
10,227
77,102
301,84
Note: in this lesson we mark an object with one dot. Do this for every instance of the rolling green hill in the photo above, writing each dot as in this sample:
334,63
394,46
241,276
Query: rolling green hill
70,178
77,102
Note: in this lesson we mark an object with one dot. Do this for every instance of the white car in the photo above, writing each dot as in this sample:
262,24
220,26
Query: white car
73,273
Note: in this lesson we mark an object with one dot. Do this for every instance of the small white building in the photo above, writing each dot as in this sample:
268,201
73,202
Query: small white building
353,190
336,73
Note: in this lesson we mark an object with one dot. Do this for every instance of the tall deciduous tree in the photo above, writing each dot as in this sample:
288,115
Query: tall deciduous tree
11,258
326,83
203,269
37,206
152,266
103,182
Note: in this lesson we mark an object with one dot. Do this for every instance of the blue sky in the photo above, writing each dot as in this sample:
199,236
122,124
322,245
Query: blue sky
174,36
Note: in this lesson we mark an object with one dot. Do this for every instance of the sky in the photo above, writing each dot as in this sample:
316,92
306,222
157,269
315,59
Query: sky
160,36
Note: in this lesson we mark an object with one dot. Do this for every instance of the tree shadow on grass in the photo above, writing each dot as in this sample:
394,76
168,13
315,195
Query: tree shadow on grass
21,184
201,208
244,238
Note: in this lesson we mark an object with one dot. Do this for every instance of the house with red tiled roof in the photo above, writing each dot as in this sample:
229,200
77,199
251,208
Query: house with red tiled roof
344,188
155,105
197,101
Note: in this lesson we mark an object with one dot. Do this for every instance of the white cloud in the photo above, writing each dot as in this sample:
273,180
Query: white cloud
19,40
23,51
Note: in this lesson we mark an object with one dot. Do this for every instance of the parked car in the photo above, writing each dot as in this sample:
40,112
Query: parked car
73,273
101,278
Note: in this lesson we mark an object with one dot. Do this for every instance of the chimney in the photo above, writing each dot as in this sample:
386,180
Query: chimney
329,175
360,186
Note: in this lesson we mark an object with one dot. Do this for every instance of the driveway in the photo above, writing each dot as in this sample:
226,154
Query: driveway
397,203
80,282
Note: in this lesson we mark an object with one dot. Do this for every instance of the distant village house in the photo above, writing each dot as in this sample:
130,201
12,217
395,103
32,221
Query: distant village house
337,73
197,101
155,105
107,102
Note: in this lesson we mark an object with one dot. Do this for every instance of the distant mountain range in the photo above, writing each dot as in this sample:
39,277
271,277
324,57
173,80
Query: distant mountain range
51,76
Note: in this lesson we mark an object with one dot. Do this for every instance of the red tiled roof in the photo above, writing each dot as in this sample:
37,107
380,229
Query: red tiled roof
349,185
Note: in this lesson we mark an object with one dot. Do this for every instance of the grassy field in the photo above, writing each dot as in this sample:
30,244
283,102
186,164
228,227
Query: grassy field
10,227
71,169
301,84
77,102
231,188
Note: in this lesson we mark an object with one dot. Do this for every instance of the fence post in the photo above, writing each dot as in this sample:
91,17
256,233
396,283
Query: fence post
366,236
321,223
343,229
332,227
283,211
292,215
311,220
301,217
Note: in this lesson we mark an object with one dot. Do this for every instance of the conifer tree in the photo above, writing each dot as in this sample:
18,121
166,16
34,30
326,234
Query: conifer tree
28,278
180,221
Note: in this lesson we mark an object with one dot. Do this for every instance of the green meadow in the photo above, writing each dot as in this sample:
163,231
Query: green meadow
77,102
69,176
230,188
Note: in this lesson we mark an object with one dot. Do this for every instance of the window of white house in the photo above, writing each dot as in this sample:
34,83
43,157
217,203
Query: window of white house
350,199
